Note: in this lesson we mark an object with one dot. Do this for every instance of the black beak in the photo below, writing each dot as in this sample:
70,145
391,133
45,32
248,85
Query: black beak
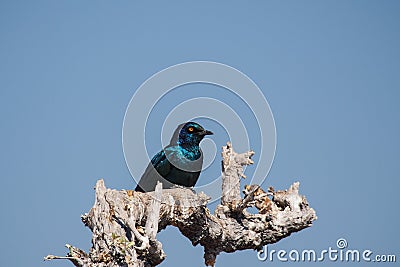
206,132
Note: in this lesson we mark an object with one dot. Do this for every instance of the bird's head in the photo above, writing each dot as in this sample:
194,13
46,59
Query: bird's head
189,133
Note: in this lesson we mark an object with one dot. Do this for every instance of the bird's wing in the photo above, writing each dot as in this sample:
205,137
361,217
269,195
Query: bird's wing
161,164
158,168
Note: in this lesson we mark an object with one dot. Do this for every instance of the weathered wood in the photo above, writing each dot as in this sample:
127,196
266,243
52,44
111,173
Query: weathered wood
232,171
124,223
154,212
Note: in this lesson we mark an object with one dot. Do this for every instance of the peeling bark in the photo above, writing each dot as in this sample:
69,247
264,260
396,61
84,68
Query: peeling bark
125,223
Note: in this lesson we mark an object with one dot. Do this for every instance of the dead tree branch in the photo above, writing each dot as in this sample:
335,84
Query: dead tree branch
125,223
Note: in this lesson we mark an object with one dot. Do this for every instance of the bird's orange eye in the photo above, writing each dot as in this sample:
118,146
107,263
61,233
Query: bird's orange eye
190,129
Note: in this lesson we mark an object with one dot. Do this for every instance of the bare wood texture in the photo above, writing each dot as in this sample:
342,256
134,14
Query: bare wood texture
232,171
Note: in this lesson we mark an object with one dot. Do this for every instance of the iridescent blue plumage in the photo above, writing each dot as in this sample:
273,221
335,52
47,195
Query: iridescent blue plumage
179,163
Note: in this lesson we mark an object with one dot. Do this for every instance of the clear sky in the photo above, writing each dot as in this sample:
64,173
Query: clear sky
329,70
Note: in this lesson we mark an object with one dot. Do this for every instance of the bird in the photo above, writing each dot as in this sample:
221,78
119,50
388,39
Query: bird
179,163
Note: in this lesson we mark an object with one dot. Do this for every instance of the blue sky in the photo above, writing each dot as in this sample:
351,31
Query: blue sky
329,69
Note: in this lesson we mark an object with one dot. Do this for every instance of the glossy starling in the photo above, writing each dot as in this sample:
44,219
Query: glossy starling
179,163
